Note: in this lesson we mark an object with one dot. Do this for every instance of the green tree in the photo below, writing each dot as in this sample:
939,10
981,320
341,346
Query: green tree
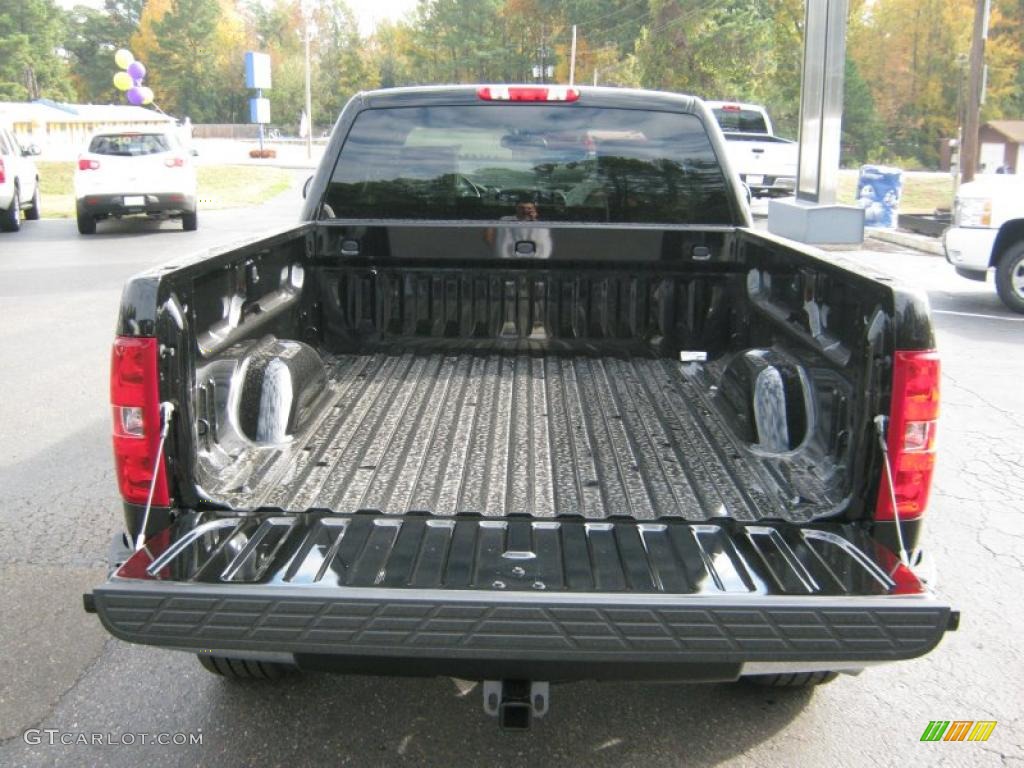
732,49
1004,55
388,51
905,50
862,130
32,64
184,59
92,37
457,41
341,68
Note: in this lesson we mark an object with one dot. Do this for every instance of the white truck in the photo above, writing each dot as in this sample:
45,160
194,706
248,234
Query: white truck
765,162
988,233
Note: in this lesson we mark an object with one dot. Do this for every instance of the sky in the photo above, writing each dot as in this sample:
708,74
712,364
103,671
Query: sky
368,12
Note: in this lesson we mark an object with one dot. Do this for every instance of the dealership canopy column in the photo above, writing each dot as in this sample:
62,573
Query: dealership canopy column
814,217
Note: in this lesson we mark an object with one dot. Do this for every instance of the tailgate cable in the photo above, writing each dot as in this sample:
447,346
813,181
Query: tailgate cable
166,411
880,427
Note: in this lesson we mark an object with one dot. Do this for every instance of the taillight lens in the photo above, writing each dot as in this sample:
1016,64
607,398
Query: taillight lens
3,171
87,164
527,93
911,434
135,398
175,162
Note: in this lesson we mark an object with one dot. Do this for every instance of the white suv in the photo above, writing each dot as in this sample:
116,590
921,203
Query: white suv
129,173
19,182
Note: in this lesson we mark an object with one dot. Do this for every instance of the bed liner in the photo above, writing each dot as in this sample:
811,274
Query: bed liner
447,432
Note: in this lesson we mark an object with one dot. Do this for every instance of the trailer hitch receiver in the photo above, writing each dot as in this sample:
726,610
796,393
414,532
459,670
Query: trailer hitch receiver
516,702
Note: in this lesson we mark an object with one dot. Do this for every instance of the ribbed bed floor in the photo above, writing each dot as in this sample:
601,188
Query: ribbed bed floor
500,434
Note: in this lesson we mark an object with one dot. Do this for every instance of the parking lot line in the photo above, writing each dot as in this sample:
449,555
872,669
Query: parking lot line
975,314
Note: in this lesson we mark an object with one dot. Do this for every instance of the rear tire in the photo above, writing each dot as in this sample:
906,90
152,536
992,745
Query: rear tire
792,680
86,224
190,221
244,669
10,220
32,212
1010,277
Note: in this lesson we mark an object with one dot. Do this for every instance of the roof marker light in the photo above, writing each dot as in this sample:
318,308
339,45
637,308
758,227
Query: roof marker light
527,93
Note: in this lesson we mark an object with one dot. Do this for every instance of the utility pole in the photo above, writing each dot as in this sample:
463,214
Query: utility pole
309,101
543,56
572,58
969,148
955,159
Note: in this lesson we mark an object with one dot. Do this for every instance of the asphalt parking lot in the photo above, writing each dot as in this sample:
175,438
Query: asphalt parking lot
58,297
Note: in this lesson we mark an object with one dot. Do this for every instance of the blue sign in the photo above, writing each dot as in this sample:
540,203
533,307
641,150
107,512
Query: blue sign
257,70
259,111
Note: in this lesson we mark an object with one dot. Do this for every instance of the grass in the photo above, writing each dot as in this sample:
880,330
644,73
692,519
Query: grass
237,186
220,186
922,193
56,189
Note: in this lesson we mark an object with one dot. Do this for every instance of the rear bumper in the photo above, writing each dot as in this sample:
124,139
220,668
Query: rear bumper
598,630
153,203
513,598
772,186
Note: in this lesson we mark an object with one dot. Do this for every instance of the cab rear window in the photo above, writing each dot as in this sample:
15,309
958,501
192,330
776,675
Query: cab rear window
740,120
129,144
515,161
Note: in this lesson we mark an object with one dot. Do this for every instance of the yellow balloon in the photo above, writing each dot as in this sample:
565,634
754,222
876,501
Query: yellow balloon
123,58
147,95
123,81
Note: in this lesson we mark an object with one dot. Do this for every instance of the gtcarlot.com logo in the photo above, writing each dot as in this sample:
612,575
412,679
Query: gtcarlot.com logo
53,736
958,730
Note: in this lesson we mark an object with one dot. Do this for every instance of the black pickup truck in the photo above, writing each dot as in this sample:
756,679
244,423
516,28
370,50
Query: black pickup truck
523,399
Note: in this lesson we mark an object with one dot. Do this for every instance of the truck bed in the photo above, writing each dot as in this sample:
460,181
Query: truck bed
446,432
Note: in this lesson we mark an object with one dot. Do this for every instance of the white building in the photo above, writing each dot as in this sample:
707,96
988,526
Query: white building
60,130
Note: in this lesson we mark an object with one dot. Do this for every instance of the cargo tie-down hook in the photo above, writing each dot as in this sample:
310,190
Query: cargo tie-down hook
166,412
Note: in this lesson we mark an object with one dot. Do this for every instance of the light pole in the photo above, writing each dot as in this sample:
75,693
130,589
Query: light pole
309,99
572,58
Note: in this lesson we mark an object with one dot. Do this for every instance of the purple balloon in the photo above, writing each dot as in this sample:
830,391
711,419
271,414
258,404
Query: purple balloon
135,96
137,70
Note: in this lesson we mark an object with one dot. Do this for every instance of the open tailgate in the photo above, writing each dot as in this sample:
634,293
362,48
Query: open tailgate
521,590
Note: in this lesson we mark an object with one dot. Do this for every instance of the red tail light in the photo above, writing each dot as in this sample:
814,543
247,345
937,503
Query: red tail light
911,434
85,164
175,162
731,108
3,171
134,395
527,93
